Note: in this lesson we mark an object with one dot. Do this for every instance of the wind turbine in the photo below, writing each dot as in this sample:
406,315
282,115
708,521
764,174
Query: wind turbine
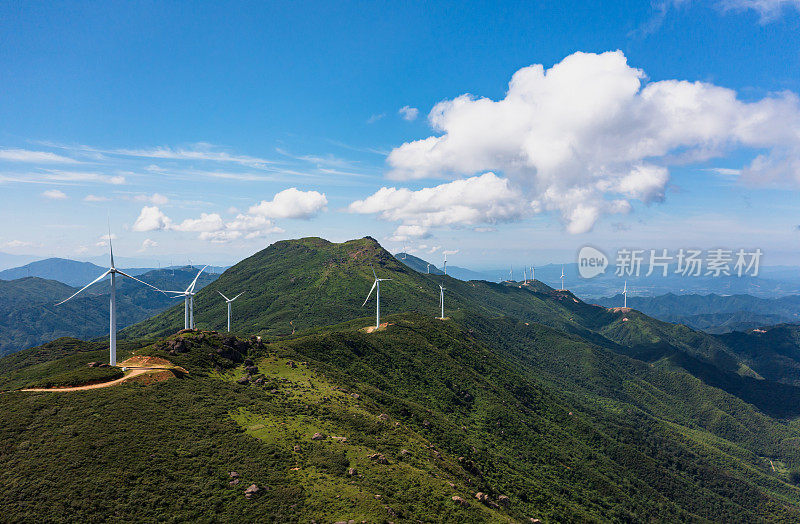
511,274
228,301
562,278
404,251
376,286
429,268
625,295
441,299
533,277
445,263
525,274
188,301
112,327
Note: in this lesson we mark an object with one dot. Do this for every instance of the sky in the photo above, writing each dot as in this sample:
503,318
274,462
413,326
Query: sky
496,132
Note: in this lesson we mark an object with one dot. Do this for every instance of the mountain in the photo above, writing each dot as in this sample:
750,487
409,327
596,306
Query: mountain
74,273
70,272
715,313
29,316
524,403
516,420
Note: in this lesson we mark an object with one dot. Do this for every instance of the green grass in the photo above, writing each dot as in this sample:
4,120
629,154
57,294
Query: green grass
79,377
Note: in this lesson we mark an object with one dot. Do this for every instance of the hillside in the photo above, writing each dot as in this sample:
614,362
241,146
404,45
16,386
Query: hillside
545,424
29,316
70,272
715,313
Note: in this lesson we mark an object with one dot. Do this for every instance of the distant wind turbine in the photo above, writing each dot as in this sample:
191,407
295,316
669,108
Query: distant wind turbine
188,301
441,299
404,251
562,278
429,268
112,328
511,274
445,263
376,286
228,301
533,277
525,274
625,294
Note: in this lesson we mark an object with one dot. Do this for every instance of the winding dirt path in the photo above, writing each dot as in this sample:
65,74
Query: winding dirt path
134,373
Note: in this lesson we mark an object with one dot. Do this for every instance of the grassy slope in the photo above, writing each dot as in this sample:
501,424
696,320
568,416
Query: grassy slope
567,430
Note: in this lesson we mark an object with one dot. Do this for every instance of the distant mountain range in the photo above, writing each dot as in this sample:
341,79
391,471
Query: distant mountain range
714,313
74,273
29,316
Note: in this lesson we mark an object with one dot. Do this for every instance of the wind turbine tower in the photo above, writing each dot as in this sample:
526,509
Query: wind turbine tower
562,278
376,286
188,301
441,299
445,263
229,301
112,325
625,295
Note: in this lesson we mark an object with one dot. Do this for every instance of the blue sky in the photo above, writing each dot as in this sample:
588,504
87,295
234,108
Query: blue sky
185,120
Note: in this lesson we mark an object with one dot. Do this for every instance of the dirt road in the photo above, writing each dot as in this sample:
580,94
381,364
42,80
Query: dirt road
133,373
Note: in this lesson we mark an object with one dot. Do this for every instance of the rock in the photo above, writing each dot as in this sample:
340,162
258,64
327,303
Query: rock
535,520
259,380
103,365
461,502
482,497
182,331
172,352
251,490
296,448
243,380
233,474
504,500
426,423
92,364
404,452
351,472
378,458
234,482
383,416
356,396
318,436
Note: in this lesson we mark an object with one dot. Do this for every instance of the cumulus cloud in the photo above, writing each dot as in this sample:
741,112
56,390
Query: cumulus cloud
409,113
147,244
586,138
476,200
102,241
54,194
151,218
291,203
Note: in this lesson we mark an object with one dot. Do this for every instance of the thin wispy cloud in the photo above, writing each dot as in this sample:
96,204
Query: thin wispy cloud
34,157
375,117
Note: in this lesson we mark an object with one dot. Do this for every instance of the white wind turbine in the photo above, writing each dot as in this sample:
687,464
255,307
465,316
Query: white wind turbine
228,301
625,295
445,263
525,274
376,286
441,299
112,328
429,268
562,278
533,278
188,301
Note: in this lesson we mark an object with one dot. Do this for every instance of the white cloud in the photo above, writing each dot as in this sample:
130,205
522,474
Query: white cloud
95,198
102,241
156,198
450,252
199,152
54,194
291,203
768,10
477,200
151,218
409,113
375,117
77,176
147,244
208,222
36,157
12,244
585,138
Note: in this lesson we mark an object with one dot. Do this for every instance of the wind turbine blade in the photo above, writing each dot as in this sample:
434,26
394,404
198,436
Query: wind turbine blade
95,281
223,296
373,271
370,292
140,281
110,246
383,279
237,296
191,288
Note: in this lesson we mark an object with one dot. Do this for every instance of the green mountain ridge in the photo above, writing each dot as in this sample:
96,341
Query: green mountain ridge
526,402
